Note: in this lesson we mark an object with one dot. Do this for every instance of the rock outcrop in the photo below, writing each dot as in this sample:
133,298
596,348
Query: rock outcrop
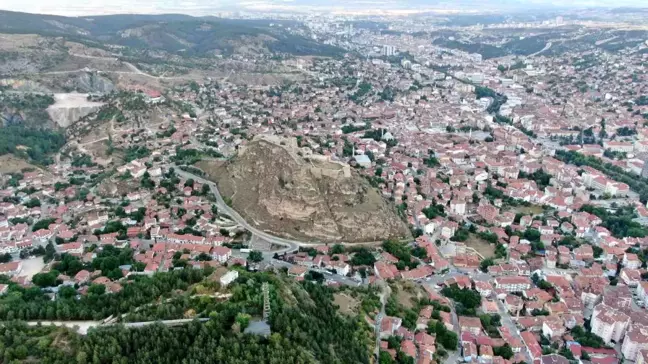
288,191
93,83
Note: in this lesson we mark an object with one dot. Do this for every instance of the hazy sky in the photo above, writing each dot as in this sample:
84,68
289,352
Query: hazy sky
206,7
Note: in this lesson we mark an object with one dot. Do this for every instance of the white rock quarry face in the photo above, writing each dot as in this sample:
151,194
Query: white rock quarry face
69,108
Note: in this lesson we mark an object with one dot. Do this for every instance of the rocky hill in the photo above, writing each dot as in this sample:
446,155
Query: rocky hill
288,191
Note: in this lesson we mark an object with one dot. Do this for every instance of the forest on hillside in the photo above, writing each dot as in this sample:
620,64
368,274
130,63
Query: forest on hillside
306,328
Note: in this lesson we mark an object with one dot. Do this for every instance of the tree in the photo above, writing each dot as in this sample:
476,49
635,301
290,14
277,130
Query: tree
542,284
363,256
337,249
255,256
43,224
532,234
504,351
243,319
67,292
484,264
5,258
96,289
385,358
467,299
33,202
49,279
445,337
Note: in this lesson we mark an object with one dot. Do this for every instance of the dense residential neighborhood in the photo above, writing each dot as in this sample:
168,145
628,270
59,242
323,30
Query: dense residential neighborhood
522,180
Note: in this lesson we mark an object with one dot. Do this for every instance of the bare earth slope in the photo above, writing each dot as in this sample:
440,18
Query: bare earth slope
287,192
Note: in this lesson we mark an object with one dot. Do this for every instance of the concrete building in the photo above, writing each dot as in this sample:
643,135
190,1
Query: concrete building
636,339
642,357
513,283
229,277
221,253
609,323
642,292
388,50
11,268
458,207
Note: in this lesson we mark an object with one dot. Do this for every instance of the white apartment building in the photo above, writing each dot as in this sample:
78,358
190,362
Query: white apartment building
609,323
642,356
642,292
636,339
619,146
458,207
513,283
631,261
229,277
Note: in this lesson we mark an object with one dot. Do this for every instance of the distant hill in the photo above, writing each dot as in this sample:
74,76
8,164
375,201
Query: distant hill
174,33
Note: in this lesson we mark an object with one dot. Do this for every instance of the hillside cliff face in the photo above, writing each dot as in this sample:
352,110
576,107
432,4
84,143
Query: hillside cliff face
284,191
69,108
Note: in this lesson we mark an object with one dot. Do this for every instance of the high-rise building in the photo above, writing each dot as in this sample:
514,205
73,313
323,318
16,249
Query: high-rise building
388,50
349,30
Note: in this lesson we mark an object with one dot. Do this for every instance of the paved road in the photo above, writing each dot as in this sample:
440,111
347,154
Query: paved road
82,327
508,323
289,245
546,47
384,296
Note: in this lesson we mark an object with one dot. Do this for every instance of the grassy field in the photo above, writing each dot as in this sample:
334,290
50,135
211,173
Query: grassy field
405,292
348,305
481,246
528,210
11,164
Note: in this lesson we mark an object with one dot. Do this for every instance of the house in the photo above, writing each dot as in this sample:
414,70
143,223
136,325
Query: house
297,271
82,277
229,277
488,306
221,253
342,268
384,270
469,351
484,288
389,325
553,329
533,347
408,348
470,324
631,261
631,277
513,304
151,268
71,248
97,218
11,268
458,207
553,359
4,288
486,353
